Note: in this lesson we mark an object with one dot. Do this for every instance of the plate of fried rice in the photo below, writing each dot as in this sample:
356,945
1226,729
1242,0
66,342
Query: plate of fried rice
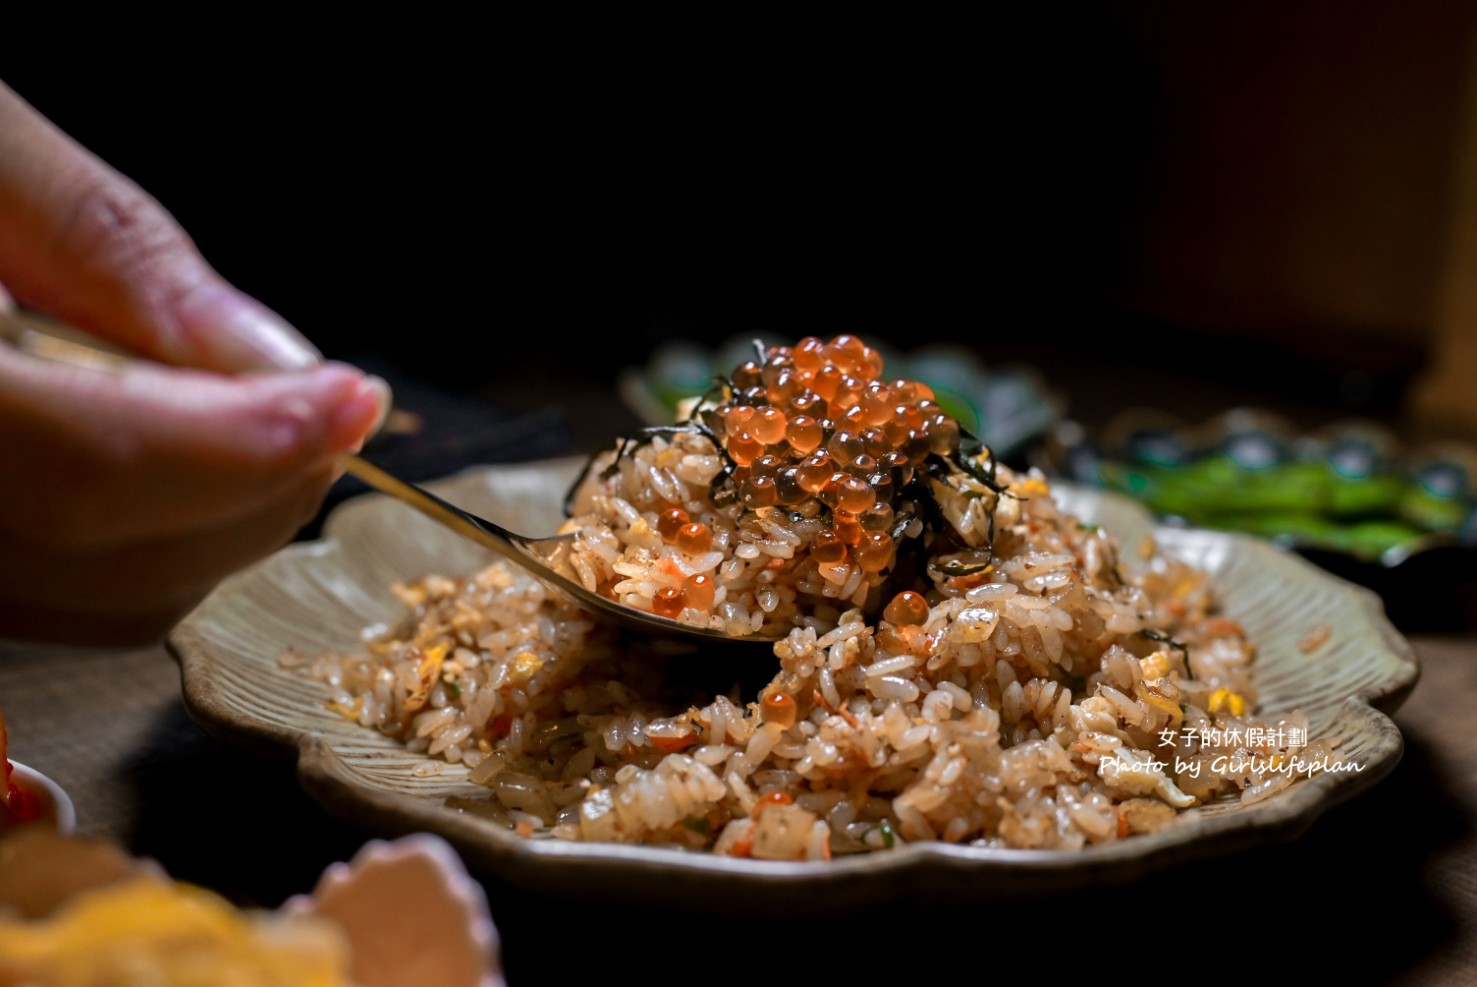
983,682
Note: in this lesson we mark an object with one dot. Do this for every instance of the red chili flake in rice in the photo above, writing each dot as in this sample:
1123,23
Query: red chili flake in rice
978,669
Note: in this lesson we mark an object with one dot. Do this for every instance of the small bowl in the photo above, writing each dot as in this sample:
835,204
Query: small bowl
63,812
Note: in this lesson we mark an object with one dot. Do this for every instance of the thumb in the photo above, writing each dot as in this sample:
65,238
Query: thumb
151,450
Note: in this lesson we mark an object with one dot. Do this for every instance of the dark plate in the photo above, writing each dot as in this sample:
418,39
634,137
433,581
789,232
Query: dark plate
1353,496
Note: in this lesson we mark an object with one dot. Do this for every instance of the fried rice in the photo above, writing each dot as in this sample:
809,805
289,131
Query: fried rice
961,660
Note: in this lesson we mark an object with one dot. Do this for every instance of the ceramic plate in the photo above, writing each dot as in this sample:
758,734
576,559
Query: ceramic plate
321,594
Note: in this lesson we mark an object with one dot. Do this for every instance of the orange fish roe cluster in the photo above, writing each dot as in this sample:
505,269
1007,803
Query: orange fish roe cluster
816,428
805,479
678,528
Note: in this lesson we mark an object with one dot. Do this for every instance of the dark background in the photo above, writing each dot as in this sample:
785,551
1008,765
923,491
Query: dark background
1159,203
615,194
1247,194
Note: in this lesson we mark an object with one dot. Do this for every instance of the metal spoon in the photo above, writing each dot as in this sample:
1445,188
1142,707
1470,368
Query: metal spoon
539,556
45,338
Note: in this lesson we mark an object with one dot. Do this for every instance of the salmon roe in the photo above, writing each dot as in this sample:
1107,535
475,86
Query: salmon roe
816,428
778,707
907,607
668,601
694,537
669,521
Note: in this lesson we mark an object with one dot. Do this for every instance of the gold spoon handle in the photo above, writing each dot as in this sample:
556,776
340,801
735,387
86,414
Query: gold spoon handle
482,531
44,337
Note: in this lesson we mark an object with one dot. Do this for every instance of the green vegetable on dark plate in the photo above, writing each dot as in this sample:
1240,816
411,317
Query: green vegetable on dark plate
1344,491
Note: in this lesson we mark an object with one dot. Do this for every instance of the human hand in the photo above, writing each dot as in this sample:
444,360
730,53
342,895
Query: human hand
127,495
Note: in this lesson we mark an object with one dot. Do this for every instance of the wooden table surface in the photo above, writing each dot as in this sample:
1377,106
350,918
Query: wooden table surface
1382,888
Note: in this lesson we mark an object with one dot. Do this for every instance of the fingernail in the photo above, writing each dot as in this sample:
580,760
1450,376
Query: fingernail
238,333
381,389
361,413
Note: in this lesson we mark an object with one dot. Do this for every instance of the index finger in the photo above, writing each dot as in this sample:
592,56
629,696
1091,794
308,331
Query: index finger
87,245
